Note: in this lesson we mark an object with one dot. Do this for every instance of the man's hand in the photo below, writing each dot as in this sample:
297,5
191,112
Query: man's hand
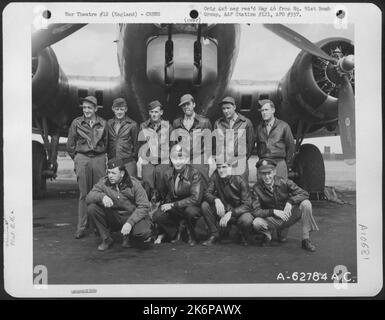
288,208
126,229
167,206
225,219
220,207
281,215
107,202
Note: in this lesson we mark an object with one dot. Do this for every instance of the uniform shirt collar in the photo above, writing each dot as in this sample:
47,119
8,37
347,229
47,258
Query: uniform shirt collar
182,174
125,118
270,123
235,117
190,118
97,119
152,124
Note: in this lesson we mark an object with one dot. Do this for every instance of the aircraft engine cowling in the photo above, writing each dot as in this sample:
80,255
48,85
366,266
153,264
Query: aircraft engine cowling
310,88
50,90
45,77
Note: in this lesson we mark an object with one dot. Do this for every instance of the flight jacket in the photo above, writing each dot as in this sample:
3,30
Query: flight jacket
233,191
284,190
86,140
190,187
124,143
128,196
279,144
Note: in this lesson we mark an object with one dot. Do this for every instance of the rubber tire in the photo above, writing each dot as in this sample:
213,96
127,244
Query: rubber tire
39,163
310,167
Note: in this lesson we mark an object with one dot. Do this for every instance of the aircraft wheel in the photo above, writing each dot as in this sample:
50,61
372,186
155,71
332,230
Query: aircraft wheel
39,164
310,167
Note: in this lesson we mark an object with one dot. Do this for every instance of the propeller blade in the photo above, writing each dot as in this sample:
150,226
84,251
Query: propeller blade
346,120
52,34
299,41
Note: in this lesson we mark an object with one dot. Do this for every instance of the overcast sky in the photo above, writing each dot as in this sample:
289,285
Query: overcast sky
91,51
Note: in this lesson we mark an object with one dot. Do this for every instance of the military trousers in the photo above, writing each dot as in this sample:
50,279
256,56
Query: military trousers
89,170
243,222
108,220
169,221
303,213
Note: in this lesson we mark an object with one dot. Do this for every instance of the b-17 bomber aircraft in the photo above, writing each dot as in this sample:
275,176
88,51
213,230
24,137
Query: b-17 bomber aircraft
163,61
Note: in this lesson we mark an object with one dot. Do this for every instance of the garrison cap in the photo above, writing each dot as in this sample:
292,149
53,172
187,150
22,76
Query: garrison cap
184,99
265,165
178,151
227,100
154,104
264,101
119,102
115,163
90,99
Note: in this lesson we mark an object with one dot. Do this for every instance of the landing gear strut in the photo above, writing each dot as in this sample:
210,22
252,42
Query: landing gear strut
44,158
308,169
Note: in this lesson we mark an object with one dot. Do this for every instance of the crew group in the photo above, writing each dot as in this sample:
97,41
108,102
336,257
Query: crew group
179,187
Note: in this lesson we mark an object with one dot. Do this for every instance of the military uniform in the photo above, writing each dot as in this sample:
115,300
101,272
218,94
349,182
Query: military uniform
87,145
239,124
123,142
266,200
130,205
185,192
233,191
198,122
156,152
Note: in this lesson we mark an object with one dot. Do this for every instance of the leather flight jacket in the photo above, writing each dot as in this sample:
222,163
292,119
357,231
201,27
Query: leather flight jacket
190,187
124,143
233,191
163,132
266,200
90,141
278,144
200,123
240,123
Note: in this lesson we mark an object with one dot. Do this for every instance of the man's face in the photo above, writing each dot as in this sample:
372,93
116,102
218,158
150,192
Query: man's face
119,112
267,177
188,108
228,110
224,170
89,109
179,162
156,114
115,175
267,112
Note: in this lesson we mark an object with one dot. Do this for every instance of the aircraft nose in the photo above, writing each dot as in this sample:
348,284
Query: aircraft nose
181,66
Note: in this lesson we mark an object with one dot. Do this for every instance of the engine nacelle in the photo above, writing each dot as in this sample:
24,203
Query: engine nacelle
45,76
310,88
50,89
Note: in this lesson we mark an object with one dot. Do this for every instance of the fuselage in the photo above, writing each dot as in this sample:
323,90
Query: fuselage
139,90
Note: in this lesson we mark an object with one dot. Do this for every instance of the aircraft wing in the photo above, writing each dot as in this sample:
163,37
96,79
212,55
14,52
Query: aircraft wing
53,33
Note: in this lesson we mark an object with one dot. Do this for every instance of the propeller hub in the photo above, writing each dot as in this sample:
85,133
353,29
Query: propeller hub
346,64
332,74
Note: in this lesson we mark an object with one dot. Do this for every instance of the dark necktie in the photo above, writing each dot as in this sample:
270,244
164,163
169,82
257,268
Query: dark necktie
177,182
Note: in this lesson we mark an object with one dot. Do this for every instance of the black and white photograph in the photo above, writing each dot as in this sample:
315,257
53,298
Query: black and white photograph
194,154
